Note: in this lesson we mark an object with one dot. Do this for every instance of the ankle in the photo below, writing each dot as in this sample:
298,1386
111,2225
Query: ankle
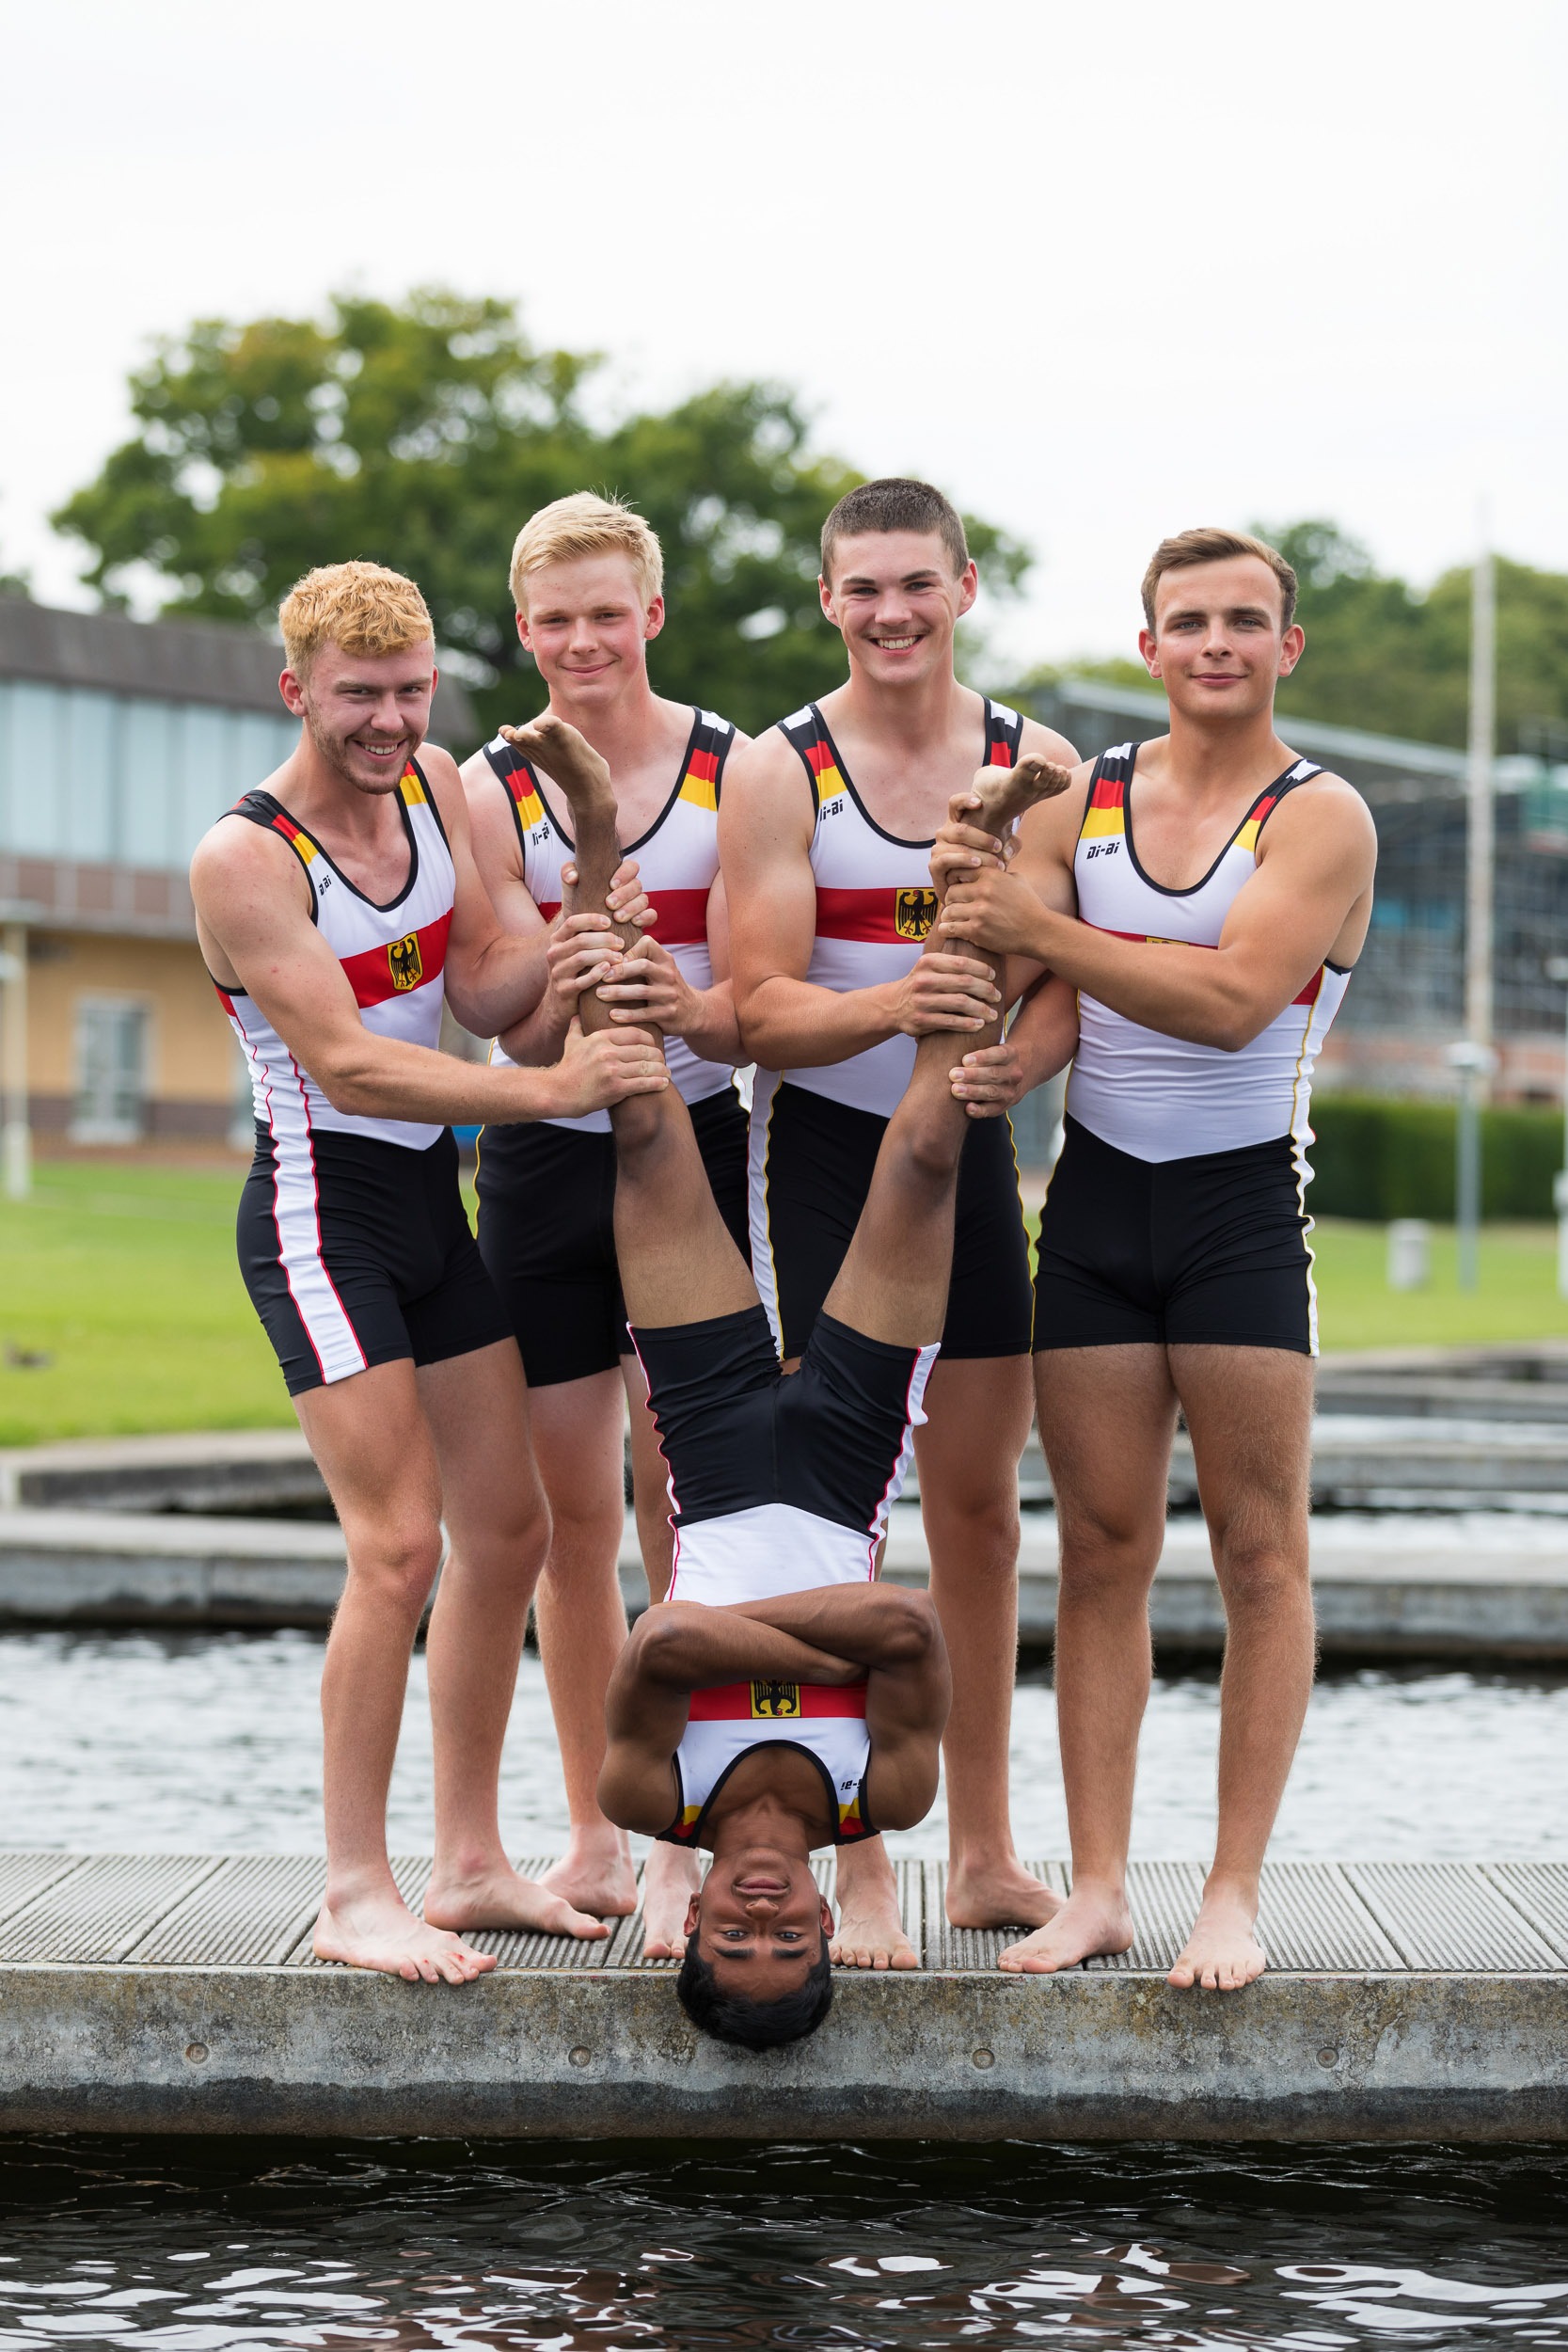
1234,1888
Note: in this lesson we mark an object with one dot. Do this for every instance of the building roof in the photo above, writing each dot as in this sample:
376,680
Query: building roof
182,661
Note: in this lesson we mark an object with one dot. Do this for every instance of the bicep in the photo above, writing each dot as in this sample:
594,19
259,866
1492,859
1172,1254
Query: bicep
719,929
765,833
1287,916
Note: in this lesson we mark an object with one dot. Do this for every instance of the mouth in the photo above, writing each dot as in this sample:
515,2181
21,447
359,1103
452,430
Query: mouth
762,1886
383,754
894,645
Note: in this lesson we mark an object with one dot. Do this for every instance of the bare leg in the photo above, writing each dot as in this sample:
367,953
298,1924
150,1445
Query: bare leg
581,1622
650,1489
1107,1416
373,1447
1250,1411
477,1407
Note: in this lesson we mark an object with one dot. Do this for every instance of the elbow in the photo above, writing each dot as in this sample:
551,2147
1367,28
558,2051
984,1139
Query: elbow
912,1634
347,1083
657,1644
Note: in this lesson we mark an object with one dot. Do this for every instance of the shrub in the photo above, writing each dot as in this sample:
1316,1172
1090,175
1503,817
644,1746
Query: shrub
1379,1158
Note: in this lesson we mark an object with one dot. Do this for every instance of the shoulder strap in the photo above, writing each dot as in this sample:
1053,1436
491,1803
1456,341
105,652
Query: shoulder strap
417,793
807,731
1267,802
262,809
1105,811
1004,733
703,776
518,782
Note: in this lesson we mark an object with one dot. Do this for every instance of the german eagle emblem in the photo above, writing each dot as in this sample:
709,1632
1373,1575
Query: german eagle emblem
914,912
407,966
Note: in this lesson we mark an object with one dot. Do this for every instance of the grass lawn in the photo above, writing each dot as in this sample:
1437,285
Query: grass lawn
125,1276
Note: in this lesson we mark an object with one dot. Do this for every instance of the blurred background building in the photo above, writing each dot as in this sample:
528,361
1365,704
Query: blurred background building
120,741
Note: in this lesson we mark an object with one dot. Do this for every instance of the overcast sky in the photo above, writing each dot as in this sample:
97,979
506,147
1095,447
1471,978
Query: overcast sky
1099,271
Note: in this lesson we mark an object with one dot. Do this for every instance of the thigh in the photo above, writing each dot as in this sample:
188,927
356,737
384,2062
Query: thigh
547,1236
1107,1416
477,1408
1095,1280
990,1303
722,1130
812,1162
712,1392
375,1448
461,1311
977,1415
1232,1254
1249,1413
578,1429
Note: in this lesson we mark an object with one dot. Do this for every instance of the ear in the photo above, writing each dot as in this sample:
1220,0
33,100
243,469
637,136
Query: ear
522,632
693,1911
653,620
292,693
969,587
1149,647
826,1916
826,597
1292,645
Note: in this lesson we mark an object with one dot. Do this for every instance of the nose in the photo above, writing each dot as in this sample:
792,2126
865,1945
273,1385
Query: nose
386,718
760,1907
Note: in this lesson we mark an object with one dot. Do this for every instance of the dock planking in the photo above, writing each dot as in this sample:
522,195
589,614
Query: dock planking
178,1993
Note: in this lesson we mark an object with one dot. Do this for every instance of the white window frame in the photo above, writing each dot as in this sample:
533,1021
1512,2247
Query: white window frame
85,1128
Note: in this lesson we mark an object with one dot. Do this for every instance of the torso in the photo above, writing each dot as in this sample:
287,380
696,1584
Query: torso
1164,1097
875,902
393,951
678,857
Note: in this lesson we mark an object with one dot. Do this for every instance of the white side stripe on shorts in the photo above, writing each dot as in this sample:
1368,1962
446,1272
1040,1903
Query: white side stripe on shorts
296,1212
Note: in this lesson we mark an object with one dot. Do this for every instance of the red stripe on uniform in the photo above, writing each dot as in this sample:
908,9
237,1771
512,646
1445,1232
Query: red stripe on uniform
819,756
1109,793
370,973
704,765
682,915
861,914
732,1703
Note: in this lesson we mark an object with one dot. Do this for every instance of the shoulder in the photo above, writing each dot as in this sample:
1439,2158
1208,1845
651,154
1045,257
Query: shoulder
1325,811
235,849
1053,826
759,769
1047,744
476,775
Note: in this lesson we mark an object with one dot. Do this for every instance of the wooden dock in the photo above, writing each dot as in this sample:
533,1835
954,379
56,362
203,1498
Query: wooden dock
177,1993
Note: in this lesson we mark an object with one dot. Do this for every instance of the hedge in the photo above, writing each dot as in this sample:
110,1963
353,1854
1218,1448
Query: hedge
1380,1159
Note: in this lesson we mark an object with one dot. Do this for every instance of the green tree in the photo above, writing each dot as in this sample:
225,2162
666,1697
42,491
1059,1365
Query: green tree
421,435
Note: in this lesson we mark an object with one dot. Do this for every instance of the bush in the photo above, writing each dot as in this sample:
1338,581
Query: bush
1380,1159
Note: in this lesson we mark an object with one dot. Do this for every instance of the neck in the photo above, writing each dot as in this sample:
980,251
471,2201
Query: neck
1220,755
907,716
620,730
766,1820
314,792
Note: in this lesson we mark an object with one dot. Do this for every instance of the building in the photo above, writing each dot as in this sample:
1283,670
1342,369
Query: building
1406,1005
120,741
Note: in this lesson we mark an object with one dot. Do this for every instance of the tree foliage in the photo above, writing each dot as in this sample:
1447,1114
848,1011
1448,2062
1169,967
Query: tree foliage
1382,655
422,435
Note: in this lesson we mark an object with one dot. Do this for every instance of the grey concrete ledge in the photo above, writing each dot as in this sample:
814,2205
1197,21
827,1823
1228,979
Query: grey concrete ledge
952,2056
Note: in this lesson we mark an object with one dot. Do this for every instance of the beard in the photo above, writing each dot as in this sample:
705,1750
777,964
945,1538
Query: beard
335,750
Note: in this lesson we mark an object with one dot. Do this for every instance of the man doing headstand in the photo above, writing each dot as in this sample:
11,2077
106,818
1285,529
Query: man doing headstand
780,1700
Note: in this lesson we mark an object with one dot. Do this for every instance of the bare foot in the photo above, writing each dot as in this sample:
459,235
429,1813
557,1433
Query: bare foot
569,760
594,1873
1093,1920
380,1932
870,1920
1004,793
998,1895
1221,1952
497,1898
670,1876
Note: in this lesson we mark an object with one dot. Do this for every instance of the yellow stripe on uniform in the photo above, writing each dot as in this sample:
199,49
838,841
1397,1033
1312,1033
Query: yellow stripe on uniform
702,793
411,788
1102,821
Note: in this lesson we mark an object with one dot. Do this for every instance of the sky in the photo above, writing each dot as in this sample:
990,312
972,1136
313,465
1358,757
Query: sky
1100,272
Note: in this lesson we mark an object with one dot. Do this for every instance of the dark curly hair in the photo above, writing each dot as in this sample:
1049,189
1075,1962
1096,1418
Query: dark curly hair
756,2025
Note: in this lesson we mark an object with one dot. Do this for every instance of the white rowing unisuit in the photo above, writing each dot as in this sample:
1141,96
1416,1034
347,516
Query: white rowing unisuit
1164,1098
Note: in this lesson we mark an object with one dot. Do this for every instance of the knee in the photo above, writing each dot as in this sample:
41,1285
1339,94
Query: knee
929,1153
639,1124
1261,1579
395,1562
1105,1558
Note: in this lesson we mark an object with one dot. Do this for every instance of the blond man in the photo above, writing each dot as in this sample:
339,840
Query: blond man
336,917
1223,889
587,583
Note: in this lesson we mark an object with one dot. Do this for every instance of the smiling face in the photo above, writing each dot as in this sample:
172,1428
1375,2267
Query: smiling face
1218,645
897,599
759,1923
366,714
587,626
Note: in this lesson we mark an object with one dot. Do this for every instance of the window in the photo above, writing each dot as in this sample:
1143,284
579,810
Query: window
111,1069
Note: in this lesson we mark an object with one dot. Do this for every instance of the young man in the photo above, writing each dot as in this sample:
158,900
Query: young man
1214,945
587,580
336,908
825,835
779,1700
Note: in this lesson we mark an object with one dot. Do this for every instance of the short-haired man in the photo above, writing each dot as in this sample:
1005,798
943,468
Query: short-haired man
587,582
1214,941
780,1700
826,835
336,917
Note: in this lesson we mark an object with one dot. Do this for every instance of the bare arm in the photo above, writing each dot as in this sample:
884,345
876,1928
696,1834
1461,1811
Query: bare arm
253,918
1310,895
764,835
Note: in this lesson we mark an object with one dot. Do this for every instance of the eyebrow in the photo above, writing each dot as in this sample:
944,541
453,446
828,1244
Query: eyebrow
1233,612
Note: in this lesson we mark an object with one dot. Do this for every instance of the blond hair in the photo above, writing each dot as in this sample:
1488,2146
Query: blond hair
586,524
361,607
1209,545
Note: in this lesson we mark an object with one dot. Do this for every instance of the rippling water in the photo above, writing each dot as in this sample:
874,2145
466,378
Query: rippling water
641,2247
212,1741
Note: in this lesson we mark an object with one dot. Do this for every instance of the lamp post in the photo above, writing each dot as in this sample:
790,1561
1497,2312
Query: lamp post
1557,969
1473,1057
1474,1064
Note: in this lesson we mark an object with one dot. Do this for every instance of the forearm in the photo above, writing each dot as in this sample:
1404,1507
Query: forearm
1206,995
679,1645
1044,1033
788,1023
870,1624
497,987
537,1042
367,1076
714,1034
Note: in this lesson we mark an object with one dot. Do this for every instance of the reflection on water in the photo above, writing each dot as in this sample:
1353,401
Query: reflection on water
161,1740
610,2246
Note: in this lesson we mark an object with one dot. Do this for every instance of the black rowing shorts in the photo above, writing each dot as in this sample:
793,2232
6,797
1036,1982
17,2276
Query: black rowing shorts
737,1433
546,1228
812,1160
357,1252
1207,1251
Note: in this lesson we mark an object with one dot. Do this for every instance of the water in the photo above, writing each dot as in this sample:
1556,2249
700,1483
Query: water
212,1740
171,2249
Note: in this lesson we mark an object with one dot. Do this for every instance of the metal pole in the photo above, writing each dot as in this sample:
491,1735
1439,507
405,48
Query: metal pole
1478,894
16,1143
1557,969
